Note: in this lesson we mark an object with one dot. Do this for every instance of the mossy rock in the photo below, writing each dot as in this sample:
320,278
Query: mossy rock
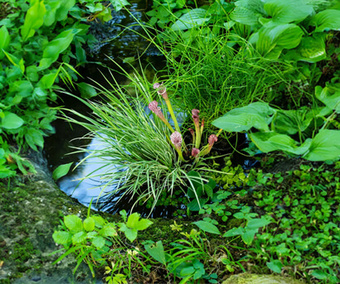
247,278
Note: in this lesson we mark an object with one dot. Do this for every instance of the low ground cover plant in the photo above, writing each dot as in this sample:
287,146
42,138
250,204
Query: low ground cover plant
284,222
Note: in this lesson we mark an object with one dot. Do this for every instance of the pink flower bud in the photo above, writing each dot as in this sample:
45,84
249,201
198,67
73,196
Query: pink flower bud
161,90
156,85
153,106
195,152
195,115
212,139
176,139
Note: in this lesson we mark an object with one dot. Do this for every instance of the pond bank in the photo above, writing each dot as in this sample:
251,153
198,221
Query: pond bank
31,209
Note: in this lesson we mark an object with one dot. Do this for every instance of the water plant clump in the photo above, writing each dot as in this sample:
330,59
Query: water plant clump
144,155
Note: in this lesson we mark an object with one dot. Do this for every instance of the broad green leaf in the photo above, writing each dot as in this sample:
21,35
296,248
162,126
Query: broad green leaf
234,232
99,221
63,9
303,148
288,11
156,250
207,227
47,81
61,237
133,220
98,242
275,265
330,96
196,205
34,19
105,15
52,6
279,36
108,230
292,121
248,236
34,138
257,115
57,46
143,224
326,20
248,12
257,223
272,141
130,234
73,223
79,237
195,17
86,90
311,49
89,223
325,146
321,275
11,121
61,171
4,40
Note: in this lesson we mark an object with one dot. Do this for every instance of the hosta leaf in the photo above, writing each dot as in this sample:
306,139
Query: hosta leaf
325,146
287,11
257,223
247,12
330,96
257,115
234,232
108,230
326,20
281,36
191,19
143,224
272,141
34,138
292,121
311,49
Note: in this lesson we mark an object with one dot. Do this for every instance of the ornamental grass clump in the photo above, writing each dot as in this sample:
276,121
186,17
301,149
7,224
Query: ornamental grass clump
140,156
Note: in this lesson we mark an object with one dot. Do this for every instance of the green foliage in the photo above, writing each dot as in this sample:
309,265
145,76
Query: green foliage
35,52
61,171
133,225
302,201
275,127
143,162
